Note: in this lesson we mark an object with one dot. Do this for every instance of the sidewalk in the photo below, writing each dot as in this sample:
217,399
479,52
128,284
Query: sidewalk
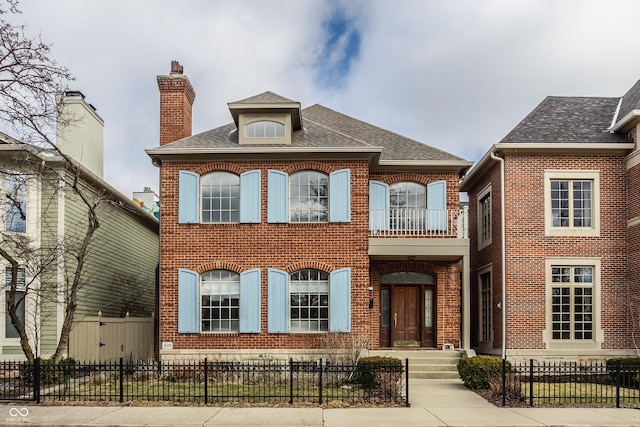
433,403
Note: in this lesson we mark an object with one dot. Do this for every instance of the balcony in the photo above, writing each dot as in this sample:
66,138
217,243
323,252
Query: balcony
413,222
422,234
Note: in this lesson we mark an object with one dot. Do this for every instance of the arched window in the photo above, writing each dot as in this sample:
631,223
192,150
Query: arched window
309,301
220,192
264,129
220,301
309,197
408,204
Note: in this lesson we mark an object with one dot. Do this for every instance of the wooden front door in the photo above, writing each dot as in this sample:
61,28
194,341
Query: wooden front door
405,318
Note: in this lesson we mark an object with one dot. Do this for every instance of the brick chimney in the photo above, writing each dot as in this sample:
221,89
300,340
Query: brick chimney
176,101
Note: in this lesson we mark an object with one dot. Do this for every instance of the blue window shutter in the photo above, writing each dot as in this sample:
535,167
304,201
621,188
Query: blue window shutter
250,301
378,206
187,301
278,302
437,206
340,300
340,196
188,198
277,196
250,197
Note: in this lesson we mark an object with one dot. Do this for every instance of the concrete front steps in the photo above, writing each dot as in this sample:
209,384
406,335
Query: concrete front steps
426,364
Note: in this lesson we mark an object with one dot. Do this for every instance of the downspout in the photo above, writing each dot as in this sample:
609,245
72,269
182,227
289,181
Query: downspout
503,268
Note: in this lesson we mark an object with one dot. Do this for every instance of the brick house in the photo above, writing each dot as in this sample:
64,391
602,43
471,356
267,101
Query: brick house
555,232
288,225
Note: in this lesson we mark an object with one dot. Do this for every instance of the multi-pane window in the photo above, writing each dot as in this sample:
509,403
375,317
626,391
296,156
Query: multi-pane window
571,203
407,203
485,306
10,330
220,197
309,197
485,217
572,302
309,301
264,129
15,204
220,301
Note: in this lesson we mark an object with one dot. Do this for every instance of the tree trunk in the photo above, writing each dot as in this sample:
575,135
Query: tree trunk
12,307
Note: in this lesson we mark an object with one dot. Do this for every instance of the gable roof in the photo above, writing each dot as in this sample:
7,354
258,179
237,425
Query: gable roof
568,120
325,130
630,101
265,98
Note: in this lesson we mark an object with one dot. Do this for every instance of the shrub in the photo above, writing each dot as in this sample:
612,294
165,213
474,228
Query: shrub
629,369
380,373
476,371
50,372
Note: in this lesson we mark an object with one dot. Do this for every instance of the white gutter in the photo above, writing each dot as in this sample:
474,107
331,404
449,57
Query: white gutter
503,270
615,116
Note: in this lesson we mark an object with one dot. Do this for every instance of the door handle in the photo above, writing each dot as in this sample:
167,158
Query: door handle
395,319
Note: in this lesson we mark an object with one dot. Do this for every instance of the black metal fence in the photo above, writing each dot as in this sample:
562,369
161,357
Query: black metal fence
206,382
571,383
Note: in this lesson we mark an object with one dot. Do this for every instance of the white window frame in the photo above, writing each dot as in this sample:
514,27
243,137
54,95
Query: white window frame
290,211
220,210
482,240
201,294
572,175
307,320
481,339
245,119
598,333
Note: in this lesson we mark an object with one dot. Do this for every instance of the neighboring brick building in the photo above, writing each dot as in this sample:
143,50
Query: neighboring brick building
290,224
564,183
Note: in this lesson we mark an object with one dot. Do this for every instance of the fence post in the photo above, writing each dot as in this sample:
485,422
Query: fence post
406,380
618,383
290,381
320,382
206,382
36,380
531,382
504,381
121,379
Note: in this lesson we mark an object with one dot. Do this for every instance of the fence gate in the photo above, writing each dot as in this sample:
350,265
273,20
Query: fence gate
110,338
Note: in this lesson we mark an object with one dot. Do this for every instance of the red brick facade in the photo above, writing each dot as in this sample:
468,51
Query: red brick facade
527,248
290,247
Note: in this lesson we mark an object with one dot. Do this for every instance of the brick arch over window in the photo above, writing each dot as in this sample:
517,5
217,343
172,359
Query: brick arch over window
309,165
220,167
400,266
407,177
316,265
219,265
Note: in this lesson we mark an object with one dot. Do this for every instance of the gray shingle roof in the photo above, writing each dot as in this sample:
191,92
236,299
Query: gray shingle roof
630,101
264,98
323,128
568,119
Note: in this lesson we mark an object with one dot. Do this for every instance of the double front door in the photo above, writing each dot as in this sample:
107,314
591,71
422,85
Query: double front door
407,317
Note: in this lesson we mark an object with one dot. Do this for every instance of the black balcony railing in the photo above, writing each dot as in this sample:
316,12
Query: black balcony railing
205,382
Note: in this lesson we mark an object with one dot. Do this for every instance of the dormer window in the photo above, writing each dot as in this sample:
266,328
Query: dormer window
264,129
267,129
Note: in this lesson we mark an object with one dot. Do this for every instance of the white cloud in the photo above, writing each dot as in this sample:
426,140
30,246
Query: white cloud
456,74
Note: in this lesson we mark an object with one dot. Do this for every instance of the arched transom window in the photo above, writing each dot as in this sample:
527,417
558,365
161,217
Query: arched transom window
264,129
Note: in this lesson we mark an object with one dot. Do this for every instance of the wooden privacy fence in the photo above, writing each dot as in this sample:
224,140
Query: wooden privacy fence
111,338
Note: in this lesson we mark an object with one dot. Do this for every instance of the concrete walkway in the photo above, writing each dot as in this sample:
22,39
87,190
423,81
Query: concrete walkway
433,403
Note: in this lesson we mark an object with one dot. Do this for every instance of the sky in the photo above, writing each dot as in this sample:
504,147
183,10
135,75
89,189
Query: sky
454,74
